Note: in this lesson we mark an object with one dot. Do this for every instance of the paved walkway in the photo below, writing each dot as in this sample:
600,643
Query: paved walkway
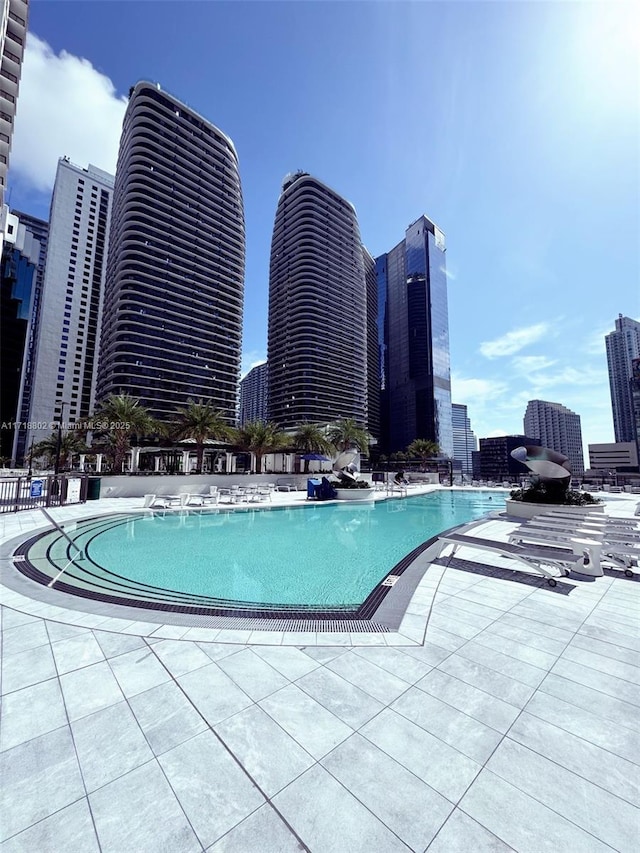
514,726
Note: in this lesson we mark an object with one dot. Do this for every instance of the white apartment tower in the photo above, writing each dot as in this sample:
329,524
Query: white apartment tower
623,345
558,428
13,31
68,335
464,439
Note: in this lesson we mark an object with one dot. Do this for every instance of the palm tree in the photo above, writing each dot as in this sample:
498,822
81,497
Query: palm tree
424,449
346,434
118,417
200,422
311,438
259,438
70,443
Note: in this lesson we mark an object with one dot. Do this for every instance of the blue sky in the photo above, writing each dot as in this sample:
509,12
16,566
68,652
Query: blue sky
514,126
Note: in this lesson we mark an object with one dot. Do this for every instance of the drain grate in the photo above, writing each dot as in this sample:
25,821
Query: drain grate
305,626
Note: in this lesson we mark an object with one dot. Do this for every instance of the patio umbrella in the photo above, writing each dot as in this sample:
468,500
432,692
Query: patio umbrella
315,457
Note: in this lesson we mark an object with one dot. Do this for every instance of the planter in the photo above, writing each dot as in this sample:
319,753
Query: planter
355,494
522,509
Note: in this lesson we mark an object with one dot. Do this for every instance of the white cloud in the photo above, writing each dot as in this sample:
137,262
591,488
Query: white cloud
472,390
250,359
450,275
531,363
66,107
514,341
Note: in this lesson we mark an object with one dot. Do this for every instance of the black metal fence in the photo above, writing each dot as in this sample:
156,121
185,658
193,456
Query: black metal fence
18,493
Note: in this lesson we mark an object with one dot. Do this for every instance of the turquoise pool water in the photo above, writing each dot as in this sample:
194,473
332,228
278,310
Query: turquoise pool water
316,555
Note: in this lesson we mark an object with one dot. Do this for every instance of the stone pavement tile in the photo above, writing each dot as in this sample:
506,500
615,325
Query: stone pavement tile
138,671
309,638
608,771
473,604
27,668
429,653
487,679
70,829
90,689
609,650
586,725
109,743
379,683
350,704
139,813
460,629
329,819
166,716
31,712
522,822
76,652
216,651
113,644
442,638
213,791
24,637
213,693
430,759
309,723
503,663
524,637
14,618
396,662
465,697
607,635
590,699
461,612
263,830
535,627
631,631
462,834
289,661
609,684
594,660
260,638
518,650
169,632
613,821
405,804
253,674
38,778
468,735
268,753
62,631
180,657
324,654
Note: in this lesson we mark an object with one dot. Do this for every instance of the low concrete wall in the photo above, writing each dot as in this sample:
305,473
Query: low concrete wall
177,484
522,509
355,494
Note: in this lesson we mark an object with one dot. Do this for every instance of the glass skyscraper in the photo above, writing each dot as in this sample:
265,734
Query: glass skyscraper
464,439
623,345
172,322
413,339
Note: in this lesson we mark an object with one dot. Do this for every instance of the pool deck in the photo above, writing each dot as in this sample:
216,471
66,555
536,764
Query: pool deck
502,715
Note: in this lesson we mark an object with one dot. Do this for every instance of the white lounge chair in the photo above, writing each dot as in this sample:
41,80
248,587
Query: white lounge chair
534,557
577,544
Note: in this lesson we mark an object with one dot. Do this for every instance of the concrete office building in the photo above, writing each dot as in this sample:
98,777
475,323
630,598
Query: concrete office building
623,345
66,348
557,428
253,395
464,439
174,294
40,230
413,329
317,345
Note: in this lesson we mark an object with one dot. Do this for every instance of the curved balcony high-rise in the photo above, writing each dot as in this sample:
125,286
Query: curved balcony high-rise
172,317
317,345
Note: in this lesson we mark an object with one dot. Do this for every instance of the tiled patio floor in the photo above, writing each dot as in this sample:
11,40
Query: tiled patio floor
515,726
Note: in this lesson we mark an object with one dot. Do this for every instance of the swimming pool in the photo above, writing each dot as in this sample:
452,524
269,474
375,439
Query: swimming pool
314,558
